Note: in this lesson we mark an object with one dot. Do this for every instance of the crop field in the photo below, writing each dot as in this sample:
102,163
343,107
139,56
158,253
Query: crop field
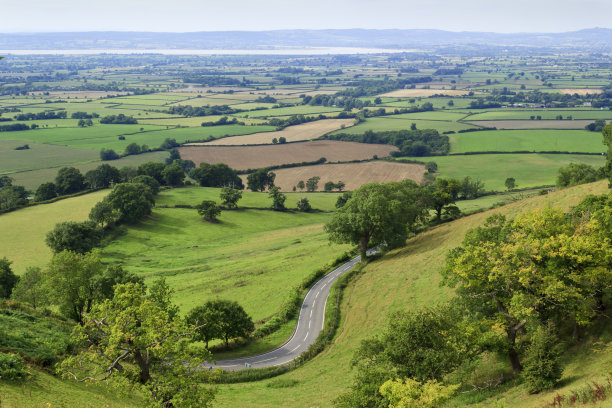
581,141
529,170
404,279
253,157
297,133
532,124
40,156
253,256
352,174
25,244
294,110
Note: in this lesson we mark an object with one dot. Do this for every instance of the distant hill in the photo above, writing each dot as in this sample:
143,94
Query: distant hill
593,39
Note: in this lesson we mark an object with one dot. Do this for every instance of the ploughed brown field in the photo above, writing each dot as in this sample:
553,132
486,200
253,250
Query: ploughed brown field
353,175
532,124
254,157
581,91
304,131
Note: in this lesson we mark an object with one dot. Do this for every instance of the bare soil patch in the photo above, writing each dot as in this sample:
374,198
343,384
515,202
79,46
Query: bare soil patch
353,175
304,131
409,93
254,157
532,124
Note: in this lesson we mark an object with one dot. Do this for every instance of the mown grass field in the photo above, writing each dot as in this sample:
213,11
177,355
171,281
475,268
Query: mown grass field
527,140
406,278
545,114
388,123
529,170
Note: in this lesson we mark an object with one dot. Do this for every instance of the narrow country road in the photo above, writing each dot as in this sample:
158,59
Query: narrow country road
309,325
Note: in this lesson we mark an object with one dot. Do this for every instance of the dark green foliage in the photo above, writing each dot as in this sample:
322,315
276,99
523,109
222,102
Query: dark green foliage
443,194
12,367
577,173
304,205
187,165
209,210
343,199
31,289
414,142
45,191
471,189
69,180
12,197
108,154
260,180
510,183
174,155
209,318
278,199
541,366
431,167
103,214
329,186
112,276
132,148
133,201
103,176
147,181
118,119
173,175
5,181
230,196
312,184
607,140
154,170
8,279
74,236
168,144
596,126
216,175
232,320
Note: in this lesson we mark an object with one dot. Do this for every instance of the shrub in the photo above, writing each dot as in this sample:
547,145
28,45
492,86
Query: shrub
304,205
12,367
542,368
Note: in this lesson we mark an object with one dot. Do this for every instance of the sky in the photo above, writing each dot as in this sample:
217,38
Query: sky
204,15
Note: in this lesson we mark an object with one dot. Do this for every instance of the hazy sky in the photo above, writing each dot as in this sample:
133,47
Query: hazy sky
206,15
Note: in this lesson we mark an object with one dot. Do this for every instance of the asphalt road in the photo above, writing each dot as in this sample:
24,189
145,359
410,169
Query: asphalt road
309,325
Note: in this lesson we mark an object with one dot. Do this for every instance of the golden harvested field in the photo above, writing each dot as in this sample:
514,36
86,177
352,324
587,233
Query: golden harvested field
415,93
254,157
304,131
352,174
582,92
532,124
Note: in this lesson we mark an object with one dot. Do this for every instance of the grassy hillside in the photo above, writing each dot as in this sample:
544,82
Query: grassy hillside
405,278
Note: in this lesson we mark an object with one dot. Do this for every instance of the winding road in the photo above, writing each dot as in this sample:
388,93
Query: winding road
309,325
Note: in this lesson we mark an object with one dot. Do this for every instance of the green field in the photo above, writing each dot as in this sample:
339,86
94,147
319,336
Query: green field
406,278
253,256
545,114
40,156
389,123
527,140
529,170
33,178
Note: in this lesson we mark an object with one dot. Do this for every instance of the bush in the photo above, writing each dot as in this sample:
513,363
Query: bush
304,205
12,367
542,368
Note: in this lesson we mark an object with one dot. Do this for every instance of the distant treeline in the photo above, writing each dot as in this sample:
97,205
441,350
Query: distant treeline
416,143
190,111
41,115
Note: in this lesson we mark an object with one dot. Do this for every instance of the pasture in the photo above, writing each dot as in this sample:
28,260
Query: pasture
353,175
253,157
390,123
533,124
40,156
420,92
403,279
527,140
548,114
529,170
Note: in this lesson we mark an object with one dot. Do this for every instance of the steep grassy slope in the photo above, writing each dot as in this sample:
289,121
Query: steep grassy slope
405,278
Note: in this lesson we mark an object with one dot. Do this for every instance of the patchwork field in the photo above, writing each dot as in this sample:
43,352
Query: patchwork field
253,157
353,175
304,131
527,140
526,114
529,170
389,123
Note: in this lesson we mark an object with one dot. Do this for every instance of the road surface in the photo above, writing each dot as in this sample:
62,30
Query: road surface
309,325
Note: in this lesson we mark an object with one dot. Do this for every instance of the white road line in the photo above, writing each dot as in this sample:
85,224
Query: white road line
307,333
310,321
263,361
294,349
233,365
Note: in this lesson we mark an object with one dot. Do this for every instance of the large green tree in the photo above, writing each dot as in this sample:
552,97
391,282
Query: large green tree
74,236
216,175
260,180
102,176
131,341
8,279
230,196
69,180
377,214
31,288
607,140
133,201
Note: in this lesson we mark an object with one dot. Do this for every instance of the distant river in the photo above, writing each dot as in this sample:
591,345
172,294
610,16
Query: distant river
274,51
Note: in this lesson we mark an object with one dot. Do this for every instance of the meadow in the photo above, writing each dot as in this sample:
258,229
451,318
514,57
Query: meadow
405,279
389,123
40,156
529,170
543,140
